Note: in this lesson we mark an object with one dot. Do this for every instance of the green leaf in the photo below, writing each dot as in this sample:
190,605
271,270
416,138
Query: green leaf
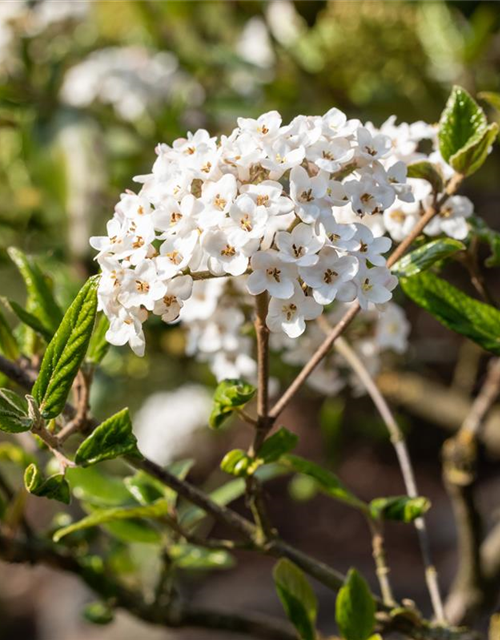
399,508
425,256
30,321
43,303
99,517
111,439
326,480
66,352
469,159
462,123
13,413
297,597
146,489
457,311
98,613
54,487
355,608
229,396
425,170
8,343
277,445
98,346
236,463
91,485
188,556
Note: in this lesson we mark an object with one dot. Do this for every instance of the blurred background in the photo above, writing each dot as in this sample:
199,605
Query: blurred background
87,89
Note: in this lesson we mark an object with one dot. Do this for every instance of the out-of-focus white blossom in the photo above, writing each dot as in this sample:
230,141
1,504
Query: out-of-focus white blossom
132,79
167,421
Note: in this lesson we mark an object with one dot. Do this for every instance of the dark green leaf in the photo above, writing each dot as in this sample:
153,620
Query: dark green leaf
462,122
277,445
99,517
98,346
13,413
297,597
457,311
425,256
469,159
399,508
425,170
229,396
8,343
489,236
43,304
66,352
54,487
98,613
111,439
30,321
327,481
355,608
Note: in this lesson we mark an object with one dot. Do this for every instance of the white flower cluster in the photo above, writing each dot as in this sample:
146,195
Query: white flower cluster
399,219
131,79
263,201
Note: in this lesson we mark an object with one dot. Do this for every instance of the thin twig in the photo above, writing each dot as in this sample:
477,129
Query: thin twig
399,444
82,393
378,550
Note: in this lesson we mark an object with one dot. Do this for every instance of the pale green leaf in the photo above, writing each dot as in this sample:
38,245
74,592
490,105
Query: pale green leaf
99,517
355,608
297,597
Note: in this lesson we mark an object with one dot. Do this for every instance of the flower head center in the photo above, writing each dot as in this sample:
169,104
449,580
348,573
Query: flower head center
329,276
228,251
289,310
275,273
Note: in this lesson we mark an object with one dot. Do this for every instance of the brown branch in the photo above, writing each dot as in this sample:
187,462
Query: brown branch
470,588
173,615
82,393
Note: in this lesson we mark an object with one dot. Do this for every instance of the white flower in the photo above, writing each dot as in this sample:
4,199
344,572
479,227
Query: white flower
369,197
268,194
452,218
290,315
371,147
271,274
392,329
374,286
282,156
399,220
126,327
170,305
177,253
141,286
329,277
217,198
262,130
371,248
340,236
307,192
300,246
226,256
330,155
247,220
